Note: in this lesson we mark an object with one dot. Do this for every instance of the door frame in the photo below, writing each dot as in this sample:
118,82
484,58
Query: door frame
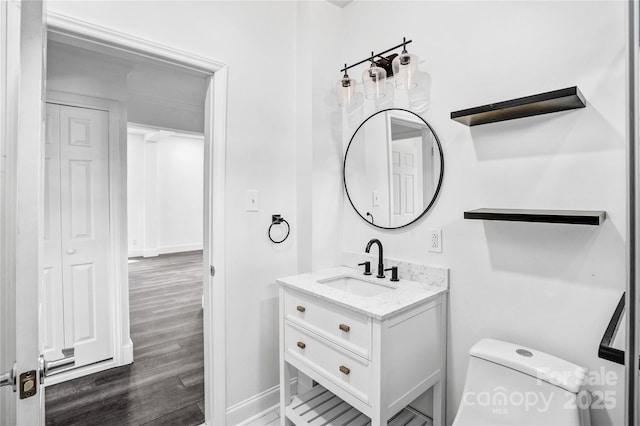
632,295
10,17
119,309
25,210
214,189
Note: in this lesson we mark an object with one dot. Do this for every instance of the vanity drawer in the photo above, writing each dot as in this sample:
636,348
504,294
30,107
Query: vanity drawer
347,328
349,371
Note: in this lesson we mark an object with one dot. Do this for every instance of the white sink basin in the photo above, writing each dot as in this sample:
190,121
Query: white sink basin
356,285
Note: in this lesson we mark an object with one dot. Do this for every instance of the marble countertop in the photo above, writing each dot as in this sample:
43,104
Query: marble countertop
405,294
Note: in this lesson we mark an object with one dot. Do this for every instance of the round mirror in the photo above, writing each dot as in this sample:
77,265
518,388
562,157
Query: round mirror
393,168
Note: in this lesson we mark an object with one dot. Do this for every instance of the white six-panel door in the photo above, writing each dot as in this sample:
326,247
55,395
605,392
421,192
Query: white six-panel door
406,166
52,290
76,248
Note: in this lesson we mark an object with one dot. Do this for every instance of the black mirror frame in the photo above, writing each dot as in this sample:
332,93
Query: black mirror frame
435,194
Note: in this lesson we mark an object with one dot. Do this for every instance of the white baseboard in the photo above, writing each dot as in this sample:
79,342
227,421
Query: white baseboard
80,372
179,248
261,417
127,353
164,250
254,407
150,252
135,253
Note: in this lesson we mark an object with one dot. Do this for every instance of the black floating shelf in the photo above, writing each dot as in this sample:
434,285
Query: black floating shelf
578,217
542,103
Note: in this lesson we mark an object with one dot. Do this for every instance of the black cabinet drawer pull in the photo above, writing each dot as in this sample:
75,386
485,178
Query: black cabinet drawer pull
300,308
301,345
344,370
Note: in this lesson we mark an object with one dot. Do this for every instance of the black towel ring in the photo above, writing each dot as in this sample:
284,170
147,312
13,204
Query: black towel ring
276,219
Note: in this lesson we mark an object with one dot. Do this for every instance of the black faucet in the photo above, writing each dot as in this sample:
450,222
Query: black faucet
380,264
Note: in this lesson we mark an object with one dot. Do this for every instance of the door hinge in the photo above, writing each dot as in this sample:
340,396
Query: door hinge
212,270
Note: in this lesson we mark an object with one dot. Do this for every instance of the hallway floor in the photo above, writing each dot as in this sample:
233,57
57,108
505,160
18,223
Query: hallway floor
164,385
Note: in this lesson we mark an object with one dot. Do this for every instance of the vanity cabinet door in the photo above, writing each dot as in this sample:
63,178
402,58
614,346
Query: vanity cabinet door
350,372
342,326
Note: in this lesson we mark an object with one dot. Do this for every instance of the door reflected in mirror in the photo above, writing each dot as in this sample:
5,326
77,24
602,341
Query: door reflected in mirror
393,168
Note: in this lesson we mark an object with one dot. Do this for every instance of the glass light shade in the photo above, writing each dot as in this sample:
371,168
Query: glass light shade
346,89
405,68
374,79
420,96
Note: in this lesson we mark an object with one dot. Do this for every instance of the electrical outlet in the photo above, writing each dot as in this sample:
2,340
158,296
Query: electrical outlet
435,240
253,201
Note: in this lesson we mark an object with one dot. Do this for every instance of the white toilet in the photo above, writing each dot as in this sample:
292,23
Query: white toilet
514,385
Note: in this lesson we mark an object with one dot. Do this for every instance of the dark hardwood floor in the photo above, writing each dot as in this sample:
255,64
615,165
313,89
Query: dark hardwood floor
165,383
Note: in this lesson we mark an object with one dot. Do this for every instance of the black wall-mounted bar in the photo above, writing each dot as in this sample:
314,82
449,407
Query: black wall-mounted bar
605,350
370,58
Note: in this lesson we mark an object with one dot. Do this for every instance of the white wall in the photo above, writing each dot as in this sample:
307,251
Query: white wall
551,287
320,34
260,54
173,179
135,194
180,184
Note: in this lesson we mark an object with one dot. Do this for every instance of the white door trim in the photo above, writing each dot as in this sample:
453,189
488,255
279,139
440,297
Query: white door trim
101,36
214,249
214,188
29,197
122,345
8,111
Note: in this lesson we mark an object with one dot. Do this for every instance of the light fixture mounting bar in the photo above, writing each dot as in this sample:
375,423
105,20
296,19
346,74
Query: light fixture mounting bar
370,58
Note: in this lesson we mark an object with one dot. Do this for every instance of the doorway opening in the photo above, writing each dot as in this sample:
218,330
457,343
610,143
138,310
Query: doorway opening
165,236
165,263
133,90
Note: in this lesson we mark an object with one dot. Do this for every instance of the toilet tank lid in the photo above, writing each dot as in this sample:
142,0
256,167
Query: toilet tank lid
532,362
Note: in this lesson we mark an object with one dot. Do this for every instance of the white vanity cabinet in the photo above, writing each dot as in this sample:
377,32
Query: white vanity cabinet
370,356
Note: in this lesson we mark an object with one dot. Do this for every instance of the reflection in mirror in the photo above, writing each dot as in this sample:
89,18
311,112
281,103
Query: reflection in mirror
393,168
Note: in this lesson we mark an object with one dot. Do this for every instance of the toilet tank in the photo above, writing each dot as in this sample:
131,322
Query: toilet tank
508,384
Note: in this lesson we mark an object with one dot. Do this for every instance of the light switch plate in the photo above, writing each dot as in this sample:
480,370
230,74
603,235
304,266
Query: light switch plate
435,240
376,198
253,200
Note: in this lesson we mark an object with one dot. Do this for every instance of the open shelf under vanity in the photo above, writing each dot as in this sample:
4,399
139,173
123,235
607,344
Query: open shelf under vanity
577,217
321,407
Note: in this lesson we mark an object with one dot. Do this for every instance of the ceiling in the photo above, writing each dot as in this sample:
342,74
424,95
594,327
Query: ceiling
158,93
340,3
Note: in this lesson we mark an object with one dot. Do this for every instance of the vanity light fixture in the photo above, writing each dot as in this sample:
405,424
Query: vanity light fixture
405,68
374,78
346,89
